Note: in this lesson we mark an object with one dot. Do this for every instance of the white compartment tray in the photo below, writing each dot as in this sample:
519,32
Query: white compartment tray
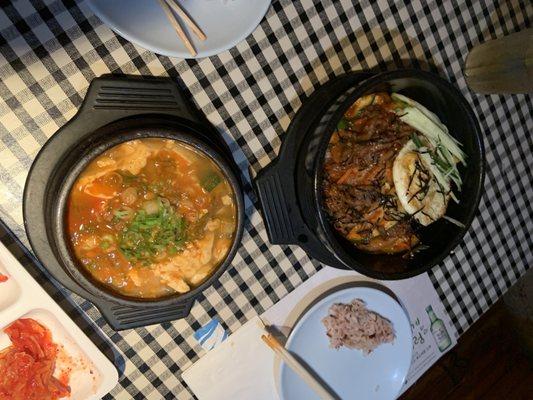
92,375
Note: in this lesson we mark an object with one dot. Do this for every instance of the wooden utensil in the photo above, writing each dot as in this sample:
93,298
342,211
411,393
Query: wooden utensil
184,16
177,27
297,367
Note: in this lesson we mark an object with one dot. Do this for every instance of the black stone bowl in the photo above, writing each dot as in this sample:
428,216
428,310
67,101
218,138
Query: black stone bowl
304,157
68,152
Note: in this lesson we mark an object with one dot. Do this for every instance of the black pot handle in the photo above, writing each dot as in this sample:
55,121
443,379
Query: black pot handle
283,222
283,219
111,98
121,317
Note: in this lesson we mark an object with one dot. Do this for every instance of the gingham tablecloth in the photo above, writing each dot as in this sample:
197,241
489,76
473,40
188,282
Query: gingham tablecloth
51,50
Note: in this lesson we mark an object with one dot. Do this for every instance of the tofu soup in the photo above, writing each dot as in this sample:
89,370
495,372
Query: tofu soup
151,217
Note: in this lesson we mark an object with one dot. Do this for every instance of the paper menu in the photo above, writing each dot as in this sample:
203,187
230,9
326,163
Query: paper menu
417,295
245,368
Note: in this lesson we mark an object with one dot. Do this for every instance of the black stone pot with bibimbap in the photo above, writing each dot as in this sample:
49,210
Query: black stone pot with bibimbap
381,173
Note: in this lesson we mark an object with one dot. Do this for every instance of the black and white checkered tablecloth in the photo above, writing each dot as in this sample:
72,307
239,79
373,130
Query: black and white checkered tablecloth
51,50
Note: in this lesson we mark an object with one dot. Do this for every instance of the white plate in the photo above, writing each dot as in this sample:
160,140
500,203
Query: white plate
92,375
225,23
352,375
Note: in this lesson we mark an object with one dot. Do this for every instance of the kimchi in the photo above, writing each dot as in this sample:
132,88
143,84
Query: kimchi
27,366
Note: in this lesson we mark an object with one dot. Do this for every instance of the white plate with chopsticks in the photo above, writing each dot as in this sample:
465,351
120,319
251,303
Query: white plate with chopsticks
348,373
146,23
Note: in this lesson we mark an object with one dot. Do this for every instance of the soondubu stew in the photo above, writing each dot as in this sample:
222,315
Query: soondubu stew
151,217
390,166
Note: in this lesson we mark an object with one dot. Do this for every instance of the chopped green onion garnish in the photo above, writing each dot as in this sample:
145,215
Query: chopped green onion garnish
148,235
121,214
343,124
210,181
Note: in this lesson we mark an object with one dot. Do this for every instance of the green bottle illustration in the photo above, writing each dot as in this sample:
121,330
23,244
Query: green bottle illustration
438,330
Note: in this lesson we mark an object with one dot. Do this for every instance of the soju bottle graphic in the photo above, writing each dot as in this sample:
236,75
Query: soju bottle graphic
438,330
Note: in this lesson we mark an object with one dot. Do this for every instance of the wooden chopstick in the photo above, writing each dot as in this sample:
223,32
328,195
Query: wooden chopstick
295,365
184,16
177,27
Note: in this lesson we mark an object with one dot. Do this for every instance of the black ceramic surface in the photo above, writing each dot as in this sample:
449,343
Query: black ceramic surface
151,108
287,207
442,236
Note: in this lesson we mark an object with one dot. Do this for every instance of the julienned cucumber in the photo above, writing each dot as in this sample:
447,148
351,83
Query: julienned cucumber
443,151
427,123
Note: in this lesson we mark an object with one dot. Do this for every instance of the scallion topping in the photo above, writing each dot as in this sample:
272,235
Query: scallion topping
148,235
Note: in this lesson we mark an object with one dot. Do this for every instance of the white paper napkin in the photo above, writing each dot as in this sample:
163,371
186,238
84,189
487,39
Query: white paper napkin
239,368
